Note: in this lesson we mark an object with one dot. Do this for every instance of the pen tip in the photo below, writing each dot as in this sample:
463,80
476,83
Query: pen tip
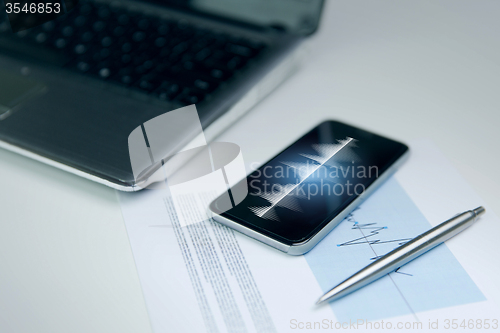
479,210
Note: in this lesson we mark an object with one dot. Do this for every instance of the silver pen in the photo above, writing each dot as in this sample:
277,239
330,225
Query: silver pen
403,254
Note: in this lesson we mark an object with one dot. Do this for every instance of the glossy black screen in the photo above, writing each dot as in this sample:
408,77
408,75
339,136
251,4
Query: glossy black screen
299,191
296,16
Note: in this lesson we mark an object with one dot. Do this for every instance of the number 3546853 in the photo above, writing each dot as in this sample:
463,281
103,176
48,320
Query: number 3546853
33,8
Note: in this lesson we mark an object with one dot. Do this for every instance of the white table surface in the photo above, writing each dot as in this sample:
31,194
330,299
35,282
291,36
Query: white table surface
405,69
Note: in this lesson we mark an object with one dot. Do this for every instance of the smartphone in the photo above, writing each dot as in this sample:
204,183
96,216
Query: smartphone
295,199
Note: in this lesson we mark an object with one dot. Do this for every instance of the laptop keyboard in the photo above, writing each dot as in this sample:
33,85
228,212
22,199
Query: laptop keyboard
168,59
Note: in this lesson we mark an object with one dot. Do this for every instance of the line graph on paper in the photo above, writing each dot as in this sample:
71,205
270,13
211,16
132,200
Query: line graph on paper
372,234
386,220
303,169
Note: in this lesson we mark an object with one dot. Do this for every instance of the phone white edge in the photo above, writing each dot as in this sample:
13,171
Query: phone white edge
306,246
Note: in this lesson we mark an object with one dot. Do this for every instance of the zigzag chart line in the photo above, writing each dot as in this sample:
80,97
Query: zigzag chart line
374,231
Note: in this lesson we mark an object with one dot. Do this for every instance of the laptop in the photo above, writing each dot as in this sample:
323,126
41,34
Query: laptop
72,89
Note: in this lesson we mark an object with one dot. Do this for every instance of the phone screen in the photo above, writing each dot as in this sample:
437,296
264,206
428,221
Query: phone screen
295,194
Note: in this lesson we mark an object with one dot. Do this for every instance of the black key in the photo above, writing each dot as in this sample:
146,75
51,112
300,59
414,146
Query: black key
60,43
218,57
5,27
67,31
180,48
203,54
139,59
126,76
126,59
177,73
189,65
98,26
100,54
197,46
103,12
81,63
160,42
87,36
138,36
143,23
83,66
219,74
235,63
126,47
119,31
85,8
104,72
255,44
205,86
145,85
123,19
182,27
106,41
41,37
148,64
191,96
80,49
49,26
167,91
22,33
239,50
127,79
80,21
145,67
163,29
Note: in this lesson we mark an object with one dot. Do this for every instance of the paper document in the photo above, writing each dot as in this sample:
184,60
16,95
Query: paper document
387,219
206,277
